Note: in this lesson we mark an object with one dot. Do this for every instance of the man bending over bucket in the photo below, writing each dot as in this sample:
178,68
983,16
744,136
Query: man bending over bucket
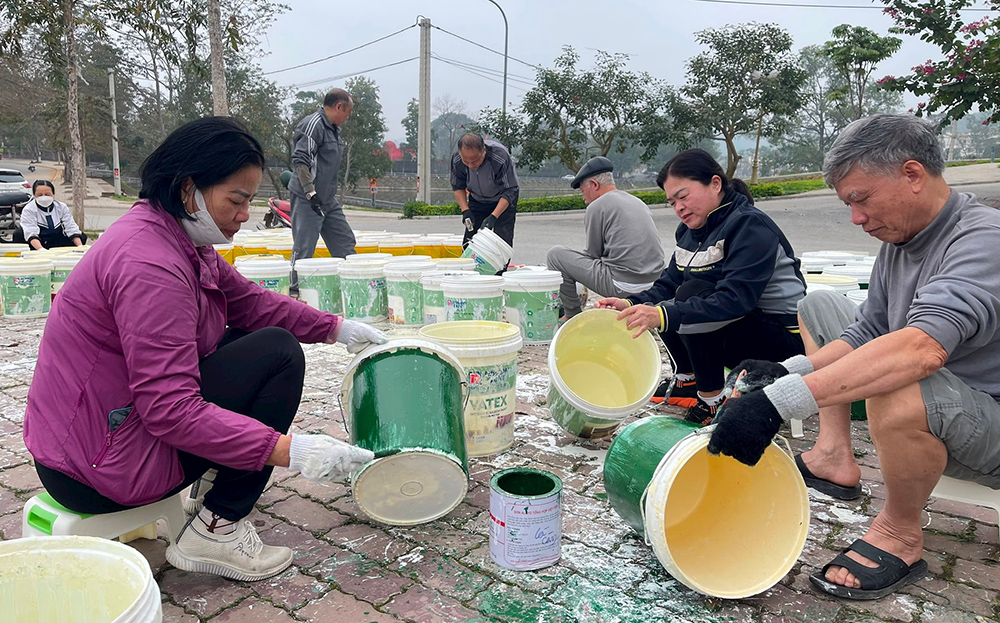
922,351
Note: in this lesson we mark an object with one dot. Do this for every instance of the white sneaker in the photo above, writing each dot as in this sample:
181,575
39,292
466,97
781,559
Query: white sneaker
240,555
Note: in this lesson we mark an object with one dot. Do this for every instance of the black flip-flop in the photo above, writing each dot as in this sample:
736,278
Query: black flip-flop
823,485
889,576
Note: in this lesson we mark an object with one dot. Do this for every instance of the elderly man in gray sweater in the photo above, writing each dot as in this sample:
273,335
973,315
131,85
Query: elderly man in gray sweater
623,255
923,351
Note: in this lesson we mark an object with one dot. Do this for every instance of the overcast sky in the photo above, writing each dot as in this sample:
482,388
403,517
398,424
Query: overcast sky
658,35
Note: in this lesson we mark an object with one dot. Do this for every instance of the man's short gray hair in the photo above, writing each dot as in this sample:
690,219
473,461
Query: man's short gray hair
604,179
880,144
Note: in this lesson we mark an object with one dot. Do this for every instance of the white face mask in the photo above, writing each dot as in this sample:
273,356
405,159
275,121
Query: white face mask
44,200
202,230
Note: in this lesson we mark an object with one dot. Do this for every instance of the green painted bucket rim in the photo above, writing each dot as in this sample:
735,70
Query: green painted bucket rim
441,331
556,481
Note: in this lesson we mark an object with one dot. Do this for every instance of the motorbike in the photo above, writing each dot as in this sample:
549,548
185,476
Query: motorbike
31,168
278,216
11,205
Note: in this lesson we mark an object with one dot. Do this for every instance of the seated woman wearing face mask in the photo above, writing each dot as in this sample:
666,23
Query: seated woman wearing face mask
160,362
47,223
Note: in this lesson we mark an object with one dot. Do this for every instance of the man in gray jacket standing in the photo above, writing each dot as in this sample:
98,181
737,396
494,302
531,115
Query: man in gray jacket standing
623,255
316,161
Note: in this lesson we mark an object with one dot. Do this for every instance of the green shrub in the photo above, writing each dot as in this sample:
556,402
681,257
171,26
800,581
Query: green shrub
654,197
767,190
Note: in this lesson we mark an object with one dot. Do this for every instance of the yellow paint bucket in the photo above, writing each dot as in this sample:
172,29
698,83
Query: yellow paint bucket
428,246
396,246
720,527
280,247
13,249
226,251
599,375
453,246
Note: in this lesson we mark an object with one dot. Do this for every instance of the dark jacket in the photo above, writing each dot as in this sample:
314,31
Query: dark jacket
745,255
320,148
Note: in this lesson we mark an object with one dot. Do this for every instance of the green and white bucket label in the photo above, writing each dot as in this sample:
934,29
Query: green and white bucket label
575,421
536,313
406,303
321,292
483,266
26,295
58,279
434,310
462,308
275,284
364,299
489,417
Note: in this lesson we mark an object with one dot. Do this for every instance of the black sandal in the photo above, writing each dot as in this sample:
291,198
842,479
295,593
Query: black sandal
823,485
889,576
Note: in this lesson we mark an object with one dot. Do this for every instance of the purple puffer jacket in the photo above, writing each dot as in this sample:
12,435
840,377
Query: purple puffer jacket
128,329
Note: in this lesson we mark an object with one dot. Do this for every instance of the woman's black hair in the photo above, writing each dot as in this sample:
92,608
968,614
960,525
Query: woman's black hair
700,166
37,183
208,150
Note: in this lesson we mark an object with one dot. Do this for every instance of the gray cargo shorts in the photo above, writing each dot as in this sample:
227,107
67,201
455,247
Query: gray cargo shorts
965,419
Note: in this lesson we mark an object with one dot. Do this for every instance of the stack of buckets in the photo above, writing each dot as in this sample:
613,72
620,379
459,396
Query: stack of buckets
30,279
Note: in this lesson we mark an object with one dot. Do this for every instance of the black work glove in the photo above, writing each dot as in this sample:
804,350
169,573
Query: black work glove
759,374
489,222
316,204
745,427
467,221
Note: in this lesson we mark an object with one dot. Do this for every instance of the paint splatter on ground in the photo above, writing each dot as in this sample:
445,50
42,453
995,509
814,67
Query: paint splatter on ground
348,568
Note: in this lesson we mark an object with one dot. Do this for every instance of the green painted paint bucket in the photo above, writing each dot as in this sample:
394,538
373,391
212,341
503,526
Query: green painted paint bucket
525,519
405,294
488,352
599,374
269,274
25,287
362,287
473,297
319,283
404,401
430,282
531,302
490,252
62,265
633,458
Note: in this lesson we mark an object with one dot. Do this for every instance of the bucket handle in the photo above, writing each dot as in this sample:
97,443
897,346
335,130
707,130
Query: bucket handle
343,416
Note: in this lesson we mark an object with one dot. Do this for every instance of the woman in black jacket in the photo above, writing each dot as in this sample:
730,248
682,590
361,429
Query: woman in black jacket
729,293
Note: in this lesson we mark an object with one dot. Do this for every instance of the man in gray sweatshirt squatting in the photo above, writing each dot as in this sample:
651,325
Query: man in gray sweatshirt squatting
923,351
623,255
316,160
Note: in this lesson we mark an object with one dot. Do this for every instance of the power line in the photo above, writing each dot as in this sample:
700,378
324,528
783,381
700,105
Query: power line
480,45
810,6
326,58
350,75
477,73
495,72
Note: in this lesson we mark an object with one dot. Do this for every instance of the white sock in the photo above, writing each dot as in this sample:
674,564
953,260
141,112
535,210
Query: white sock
712,401
684,377
208,523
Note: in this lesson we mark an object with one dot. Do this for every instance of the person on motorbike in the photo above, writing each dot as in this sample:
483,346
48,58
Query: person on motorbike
47,222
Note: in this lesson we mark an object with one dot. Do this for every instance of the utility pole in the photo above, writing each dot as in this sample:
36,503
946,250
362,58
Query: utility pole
220,99
114,133
505,33
424,115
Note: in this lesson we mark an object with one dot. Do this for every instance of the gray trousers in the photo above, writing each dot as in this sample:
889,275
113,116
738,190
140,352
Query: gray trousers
307,227
578,267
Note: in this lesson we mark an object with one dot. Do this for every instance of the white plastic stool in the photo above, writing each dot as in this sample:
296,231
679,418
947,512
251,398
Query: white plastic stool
968,492
43,516
796,428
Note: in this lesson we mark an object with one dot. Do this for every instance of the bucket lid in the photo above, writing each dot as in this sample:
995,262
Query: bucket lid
473,282
358,268
265,268
396,243
318,263
456,263
858,296
434,278
407,269
368,256
66,260
280,246
14,247
819,287
839,283
533,278
834,257
862,272
474,338
223,247
259,257
22,266
409,259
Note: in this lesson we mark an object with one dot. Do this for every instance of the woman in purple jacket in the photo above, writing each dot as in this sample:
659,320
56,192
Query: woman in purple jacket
159,362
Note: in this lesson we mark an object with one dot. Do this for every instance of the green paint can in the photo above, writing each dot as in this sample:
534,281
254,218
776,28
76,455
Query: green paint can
531,301
404,401
269,274
362,286
473,297
319,283
405,294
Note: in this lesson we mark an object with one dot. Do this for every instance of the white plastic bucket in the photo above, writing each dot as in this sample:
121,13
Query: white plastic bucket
818,287
25,287
319,283
858,296
862,271
368,257
720,527
263,257
13,249
453,246
269,274
490,252
814,264
531,302
837,258
488,352
281,247
76,579
62,265
409,259
456,263
599,373
473,297
434,308
405,294
525,519
396,246
362,287
837,282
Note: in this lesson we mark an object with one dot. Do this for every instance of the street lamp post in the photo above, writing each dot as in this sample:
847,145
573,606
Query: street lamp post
759,77
505,32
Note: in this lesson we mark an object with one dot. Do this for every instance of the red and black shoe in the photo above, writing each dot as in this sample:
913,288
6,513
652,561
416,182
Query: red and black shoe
676,393
702,413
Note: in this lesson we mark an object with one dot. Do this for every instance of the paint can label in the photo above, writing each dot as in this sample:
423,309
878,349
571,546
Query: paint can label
406,303
321,292
536,313
275,284
364,299
525,532
489,417
26,295
485,308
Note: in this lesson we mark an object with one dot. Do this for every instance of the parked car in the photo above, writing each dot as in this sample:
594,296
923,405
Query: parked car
12,180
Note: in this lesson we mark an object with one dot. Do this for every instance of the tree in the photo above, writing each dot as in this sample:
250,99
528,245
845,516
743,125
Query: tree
446,130
220,100
856,51
363,135
572,114
724,101
969,75
411,123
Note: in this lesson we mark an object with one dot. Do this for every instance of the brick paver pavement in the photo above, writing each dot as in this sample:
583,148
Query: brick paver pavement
351,569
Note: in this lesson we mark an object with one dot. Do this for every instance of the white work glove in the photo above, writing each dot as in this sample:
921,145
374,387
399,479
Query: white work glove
320,457
357,335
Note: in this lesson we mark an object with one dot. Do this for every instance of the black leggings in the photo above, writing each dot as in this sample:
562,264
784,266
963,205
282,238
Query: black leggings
258,374
755,336
49,242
